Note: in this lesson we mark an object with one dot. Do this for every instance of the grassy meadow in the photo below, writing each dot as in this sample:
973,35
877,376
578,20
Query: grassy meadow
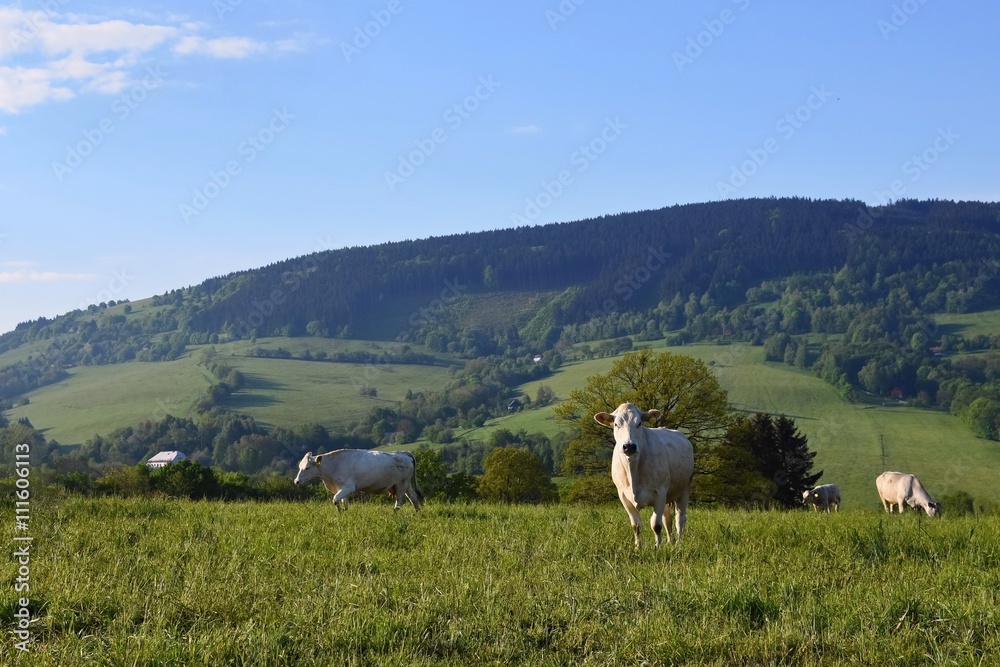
286,392
164,582
849,437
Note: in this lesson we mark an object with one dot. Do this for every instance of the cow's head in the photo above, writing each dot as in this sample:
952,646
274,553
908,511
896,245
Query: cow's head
932,508
308,468
626,422
806,495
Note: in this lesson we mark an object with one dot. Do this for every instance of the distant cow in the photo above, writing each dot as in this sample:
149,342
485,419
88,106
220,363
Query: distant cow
344,471
651,467
824,495
897,488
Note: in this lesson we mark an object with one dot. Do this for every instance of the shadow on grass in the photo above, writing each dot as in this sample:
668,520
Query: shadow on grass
248,396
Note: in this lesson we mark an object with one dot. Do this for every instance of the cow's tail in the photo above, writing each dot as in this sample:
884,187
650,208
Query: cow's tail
416,489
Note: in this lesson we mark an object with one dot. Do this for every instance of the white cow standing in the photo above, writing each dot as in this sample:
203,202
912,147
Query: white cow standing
344,471
651,467
898,488
825,495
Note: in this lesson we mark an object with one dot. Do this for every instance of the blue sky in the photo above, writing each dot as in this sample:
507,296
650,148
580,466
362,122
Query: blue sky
148,146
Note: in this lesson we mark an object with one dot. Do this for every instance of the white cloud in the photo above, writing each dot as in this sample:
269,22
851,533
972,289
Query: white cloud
84,39
22,87
63,55
43,277
525,129
222,47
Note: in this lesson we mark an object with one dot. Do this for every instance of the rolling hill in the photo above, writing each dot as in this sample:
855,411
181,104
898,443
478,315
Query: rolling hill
439,333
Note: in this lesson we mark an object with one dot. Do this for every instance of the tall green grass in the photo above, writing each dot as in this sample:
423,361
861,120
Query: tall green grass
160,582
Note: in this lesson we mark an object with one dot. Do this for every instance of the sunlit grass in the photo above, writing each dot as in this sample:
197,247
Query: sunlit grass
180,583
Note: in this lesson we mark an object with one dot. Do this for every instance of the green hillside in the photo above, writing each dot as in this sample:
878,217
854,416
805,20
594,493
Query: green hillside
99,399
286,392
931,444
904,307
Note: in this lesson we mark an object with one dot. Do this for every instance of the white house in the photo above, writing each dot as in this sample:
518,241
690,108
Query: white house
164,458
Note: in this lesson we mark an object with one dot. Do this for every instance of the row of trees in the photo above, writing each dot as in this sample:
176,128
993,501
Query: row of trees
758,460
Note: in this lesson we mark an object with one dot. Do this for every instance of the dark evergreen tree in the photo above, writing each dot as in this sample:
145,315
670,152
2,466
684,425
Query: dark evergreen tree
780,453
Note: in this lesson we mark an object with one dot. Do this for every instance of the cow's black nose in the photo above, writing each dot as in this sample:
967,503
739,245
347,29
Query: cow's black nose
629,448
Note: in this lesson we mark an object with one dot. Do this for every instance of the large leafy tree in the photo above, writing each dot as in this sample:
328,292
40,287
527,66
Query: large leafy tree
515,475
682,388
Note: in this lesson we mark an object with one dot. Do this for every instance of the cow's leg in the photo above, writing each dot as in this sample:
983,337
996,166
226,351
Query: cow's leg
633,516
340,500
415,499
886,506
399,495
656,523
681,513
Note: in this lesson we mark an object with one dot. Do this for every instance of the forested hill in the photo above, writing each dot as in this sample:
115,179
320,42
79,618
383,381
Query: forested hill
720,248
845,290
624,262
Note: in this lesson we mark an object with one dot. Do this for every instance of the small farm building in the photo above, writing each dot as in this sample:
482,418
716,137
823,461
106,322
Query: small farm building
164,458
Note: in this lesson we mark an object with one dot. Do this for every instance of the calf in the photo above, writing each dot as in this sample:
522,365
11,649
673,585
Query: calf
825,495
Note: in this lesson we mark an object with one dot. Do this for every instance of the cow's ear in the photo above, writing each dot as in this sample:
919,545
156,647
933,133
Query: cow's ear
605,418
650,415
318,458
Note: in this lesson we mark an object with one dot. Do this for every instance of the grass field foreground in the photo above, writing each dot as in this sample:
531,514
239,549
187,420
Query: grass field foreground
164,582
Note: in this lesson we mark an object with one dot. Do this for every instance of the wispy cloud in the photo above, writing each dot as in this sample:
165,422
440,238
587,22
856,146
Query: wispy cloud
525,129
61,55
222,47
43,277
20,264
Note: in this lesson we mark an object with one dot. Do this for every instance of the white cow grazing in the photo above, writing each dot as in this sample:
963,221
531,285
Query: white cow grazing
898,488
344,471
651,467
825,495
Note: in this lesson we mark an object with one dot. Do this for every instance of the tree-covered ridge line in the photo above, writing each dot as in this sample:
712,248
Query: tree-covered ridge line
848,291
719,249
